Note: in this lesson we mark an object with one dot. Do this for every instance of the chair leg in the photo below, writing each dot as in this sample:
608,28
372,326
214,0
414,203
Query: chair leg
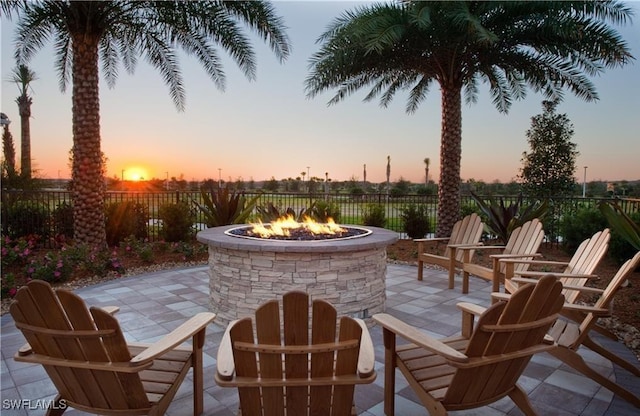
389,339
58,407
420,266
521,400
594,346
198,379
574,360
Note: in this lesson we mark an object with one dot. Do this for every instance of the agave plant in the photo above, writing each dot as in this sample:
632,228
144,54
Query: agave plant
270,212
224,207
620,222
502,219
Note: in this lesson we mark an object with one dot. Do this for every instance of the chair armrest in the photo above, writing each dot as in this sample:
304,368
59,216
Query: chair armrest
574,307
225,366
110,309
176,337
502,257
471,308
535,262
413,335
366,357
478,246
426,240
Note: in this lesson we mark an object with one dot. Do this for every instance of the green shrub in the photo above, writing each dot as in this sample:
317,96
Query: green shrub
321,211
25,218
62,217
270,212
54,267
374,215
576,228
177,221
620,249
225,207
415,220
126,219
502,219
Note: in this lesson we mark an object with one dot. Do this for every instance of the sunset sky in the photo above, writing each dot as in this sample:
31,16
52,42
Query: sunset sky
256,130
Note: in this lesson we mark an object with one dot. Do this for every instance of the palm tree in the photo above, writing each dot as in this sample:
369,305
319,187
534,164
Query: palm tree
427,162
545,45
22,76
88,32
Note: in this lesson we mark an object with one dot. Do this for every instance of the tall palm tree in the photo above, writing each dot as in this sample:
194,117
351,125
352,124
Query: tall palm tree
427,162
22,76
410,45
87,33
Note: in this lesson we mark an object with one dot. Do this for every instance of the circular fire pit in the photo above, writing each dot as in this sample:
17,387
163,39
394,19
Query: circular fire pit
246,272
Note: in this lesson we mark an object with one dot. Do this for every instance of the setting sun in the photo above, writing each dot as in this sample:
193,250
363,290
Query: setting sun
135,174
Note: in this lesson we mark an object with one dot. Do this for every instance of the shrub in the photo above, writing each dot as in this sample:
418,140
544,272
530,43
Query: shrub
374,215
224,207
54,267
576,228
321,211
26,218
16,251
503,219
415,220
620,248
126,219
62,217
177,221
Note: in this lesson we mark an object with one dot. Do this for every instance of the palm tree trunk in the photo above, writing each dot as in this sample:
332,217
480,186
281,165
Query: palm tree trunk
88,184
24,108
450,153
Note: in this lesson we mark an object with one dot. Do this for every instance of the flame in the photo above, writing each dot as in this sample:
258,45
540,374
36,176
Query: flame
284,225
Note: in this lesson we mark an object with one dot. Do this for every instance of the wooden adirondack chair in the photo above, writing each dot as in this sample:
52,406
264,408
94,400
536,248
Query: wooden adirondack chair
467,231
576,272
523,244
85,354
480,366
284,370
570,335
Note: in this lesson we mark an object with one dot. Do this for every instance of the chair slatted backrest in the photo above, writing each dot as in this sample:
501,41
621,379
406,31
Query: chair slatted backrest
584,261
466,231
605,301
58,325
503,342
525,239
289,372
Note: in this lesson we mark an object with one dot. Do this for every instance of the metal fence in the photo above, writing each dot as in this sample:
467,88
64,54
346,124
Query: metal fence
350,207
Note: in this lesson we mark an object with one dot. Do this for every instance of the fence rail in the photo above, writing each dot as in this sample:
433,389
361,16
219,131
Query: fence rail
350,207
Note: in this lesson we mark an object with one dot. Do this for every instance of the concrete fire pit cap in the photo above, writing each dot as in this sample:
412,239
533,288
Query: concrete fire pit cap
216,237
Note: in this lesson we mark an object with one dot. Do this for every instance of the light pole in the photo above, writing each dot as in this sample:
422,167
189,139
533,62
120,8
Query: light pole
584,183
167,182
219,178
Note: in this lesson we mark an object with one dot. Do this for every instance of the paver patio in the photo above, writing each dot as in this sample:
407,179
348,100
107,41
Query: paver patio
153,304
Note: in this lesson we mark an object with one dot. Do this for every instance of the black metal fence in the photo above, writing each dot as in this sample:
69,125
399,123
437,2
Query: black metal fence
350,207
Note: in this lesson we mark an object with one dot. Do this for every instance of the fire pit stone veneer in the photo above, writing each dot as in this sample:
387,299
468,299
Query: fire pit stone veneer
244,273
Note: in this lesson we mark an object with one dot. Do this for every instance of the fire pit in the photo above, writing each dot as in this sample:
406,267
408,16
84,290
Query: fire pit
246,270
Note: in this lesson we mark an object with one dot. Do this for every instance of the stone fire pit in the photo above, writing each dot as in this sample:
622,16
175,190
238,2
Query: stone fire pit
244,273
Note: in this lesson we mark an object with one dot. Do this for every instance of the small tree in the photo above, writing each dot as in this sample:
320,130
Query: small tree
9,154
548,170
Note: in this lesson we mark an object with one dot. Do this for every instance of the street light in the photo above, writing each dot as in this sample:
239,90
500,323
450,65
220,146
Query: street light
584,183
219,178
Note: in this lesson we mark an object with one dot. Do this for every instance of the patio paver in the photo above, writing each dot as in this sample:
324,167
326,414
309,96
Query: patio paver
153,304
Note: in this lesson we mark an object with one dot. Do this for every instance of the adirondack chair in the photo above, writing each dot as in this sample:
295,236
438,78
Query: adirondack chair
94,370
523,244
482,364
284,370
570,335
576,272
467,231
